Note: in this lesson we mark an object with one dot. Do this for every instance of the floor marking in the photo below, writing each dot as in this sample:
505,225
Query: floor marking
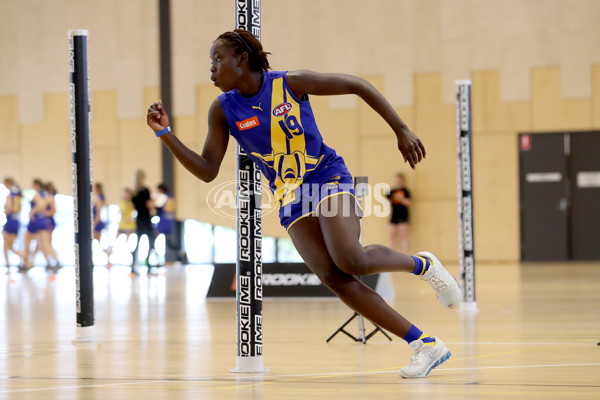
581,343
82,386
249,382
523,366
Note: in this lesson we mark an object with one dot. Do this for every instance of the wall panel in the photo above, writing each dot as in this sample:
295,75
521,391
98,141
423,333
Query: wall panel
533,65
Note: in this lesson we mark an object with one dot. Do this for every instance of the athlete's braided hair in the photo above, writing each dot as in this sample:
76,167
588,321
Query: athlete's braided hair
245,42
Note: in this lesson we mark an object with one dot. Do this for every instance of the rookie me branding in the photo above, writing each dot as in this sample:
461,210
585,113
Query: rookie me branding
249,344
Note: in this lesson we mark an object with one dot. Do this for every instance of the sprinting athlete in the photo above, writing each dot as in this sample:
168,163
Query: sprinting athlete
269,114
50,226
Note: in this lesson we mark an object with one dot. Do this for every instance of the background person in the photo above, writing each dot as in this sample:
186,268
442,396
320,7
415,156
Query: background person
37,228
99,203
143,205
165,209
400,218
12,209
51,224
127,221
164,203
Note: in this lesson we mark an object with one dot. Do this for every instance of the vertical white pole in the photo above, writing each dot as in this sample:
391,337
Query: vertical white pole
466,254
249,235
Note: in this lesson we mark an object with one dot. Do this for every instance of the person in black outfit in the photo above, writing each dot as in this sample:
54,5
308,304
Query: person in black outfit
143,205
399,221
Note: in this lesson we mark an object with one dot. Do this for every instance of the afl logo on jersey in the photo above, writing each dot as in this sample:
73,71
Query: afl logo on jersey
282,109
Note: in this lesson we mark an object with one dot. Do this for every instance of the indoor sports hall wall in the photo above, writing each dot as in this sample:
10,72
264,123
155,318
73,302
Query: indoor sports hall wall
535,66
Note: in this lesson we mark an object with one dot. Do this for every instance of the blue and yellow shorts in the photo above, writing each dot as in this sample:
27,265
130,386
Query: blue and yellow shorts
309,196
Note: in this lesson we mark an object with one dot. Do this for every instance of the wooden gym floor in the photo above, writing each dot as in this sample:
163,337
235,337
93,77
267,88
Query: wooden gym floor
534,338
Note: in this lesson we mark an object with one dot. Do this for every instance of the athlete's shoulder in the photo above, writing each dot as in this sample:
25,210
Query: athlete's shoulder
276,74
226,95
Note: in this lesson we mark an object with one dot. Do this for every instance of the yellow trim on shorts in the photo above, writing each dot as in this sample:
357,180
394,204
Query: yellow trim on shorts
337,193
298,219
319,204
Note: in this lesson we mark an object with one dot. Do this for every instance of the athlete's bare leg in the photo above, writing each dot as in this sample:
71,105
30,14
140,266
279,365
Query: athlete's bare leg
309,241
46,245
9,244
341,230
27,260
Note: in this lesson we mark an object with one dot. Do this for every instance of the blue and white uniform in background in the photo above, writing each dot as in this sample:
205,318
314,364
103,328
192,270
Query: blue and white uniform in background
98,227
38,221
50,223
12,218
165,209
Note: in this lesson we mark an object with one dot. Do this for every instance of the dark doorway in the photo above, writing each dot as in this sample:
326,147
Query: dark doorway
560,196
543,170
584,175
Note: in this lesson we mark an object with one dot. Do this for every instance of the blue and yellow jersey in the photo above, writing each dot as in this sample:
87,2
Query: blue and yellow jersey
15,202
279,133
127,222
169,205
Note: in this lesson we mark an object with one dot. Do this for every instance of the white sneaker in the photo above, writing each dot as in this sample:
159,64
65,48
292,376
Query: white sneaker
445,285
425,358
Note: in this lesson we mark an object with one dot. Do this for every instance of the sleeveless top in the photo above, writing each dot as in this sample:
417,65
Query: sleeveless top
127,222
38,221
49,214
15,199
166,213
94,209
32,203
279,133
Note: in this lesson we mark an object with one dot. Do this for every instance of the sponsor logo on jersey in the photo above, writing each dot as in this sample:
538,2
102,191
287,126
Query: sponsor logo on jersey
282,109
247,123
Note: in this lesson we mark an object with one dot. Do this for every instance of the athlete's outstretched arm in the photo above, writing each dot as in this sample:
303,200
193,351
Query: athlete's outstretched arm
308,82
205,166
